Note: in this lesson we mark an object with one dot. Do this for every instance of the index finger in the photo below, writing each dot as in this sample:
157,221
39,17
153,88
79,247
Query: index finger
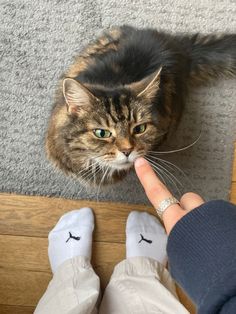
156,191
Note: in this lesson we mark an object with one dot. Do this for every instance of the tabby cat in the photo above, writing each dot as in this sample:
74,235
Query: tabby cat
125,94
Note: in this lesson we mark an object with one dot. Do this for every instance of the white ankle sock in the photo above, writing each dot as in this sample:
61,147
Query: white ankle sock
71,237
145,236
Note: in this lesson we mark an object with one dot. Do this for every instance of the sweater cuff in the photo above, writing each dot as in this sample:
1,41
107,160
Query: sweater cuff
221,296
202,253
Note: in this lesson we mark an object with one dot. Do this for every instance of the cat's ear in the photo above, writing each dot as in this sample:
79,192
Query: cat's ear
148,86
76,95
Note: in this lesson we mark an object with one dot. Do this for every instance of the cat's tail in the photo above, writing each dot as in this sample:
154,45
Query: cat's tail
210,56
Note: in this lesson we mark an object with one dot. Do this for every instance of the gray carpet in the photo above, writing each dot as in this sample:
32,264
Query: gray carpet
39,40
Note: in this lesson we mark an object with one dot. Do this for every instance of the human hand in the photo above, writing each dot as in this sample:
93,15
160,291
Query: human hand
156,192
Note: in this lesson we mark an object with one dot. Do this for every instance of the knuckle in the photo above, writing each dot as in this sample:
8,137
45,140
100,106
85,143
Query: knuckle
188,195
154,190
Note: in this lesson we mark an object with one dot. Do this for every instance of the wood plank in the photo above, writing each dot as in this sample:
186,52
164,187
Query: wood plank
104,259
25,253
186,301
12,309
30,254
18,252
233,193
22,287
36,216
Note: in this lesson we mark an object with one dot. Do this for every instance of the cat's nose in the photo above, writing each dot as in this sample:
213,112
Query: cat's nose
127,152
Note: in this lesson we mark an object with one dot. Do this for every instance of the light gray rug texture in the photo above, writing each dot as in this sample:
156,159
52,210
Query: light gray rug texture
39,40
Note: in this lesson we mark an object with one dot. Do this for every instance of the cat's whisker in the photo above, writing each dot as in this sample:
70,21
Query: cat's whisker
96,171
140,154
103,178
83,181
174,167
84,170
64,189
67,189
167,174
89,165
159,173
179,149
168,164
98,189
72,183
81,189
110,172
95,168
86,175
171,174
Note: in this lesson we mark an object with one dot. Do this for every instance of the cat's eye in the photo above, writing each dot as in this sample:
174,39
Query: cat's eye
140,128
100,133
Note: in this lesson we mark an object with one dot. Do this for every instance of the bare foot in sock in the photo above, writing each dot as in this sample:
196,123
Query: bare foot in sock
146,237
71,237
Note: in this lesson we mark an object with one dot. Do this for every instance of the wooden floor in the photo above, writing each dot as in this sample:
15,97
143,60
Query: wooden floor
24,225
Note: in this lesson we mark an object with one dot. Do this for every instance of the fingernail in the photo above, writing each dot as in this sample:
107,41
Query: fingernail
140,162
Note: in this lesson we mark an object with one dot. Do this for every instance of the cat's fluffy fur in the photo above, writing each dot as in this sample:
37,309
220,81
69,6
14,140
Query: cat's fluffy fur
126,78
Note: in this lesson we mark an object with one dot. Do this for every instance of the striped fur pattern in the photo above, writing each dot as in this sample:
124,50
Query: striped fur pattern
127,80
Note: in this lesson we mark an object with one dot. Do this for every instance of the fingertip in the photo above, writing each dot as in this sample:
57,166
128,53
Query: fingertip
139,162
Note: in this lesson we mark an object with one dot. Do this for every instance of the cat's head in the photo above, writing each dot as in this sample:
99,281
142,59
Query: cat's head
99,132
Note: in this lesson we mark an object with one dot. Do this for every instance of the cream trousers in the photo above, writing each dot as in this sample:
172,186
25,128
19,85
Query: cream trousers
139,285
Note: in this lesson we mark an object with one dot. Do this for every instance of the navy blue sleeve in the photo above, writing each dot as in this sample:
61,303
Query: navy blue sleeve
202,256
